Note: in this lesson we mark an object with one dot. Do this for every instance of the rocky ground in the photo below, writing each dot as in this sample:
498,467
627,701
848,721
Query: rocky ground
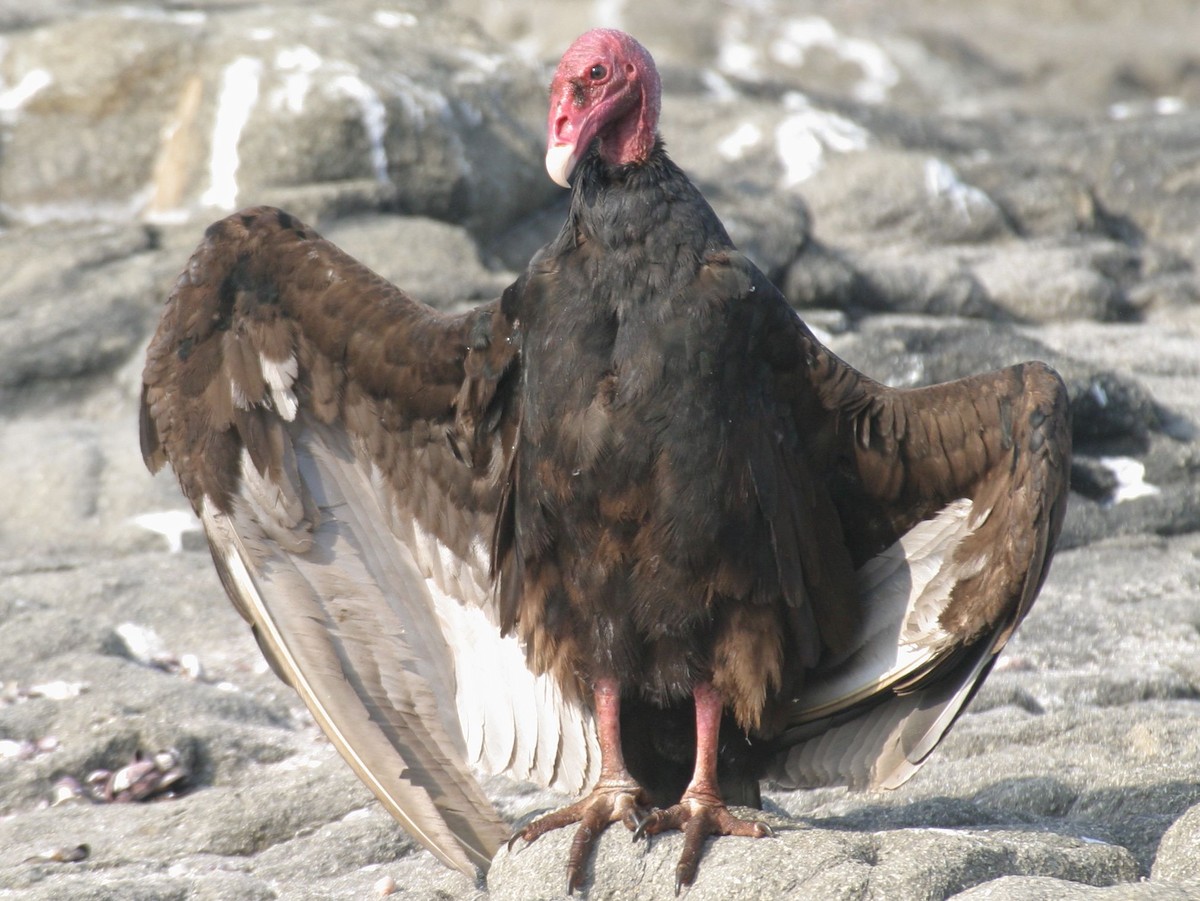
941,187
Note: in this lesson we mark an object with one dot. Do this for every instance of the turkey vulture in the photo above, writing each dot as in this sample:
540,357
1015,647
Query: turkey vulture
580,532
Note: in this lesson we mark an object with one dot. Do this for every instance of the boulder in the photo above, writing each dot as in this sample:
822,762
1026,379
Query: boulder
190,114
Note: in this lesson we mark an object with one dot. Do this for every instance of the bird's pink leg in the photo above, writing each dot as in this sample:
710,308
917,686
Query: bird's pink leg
701,812
615,797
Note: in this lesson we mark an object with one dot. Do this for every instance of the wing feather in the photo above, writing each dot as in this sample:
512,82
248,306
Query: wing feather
949,500
346,448
331,659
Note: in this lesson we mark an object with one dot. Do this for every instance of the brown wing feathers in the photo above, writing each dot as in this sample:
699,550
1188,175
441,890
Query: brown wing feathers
270,335
265,301
1001,439
897,458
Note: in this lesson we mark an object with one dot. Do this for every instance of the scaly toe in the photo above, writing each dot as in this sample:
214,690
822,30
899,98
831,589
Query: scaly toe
698,817
608,803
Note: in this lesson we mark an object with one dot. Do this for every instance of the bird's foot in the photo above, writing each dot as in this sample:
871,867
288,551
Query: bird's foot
698,815
611,801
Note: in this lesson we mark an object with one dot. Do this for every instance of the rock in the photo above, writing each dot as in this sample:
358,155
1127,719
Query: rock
907,281
1037,284
1106,746
1048,888
83,486
1136,167
75,300
214,109
1170,510
433,261
920,57
886,196
812,861
260,775
1178,857
1040,200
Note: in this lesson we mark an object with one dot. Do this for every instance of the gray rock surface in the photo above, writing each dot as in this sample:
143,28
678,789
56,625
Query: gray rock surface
159,102
941,187
1178,857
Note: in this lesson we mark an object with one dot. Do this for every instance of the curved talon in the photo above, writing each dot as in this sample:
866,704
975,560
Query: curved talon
631,820
640,832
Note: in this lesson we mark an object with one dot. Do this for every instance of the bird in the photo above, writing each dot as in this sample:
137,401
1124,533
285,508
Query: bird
629,530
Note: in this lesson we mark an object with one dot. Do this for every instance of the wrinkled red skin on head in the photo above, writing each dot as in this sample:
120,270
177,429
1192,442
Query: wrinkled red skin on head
620,107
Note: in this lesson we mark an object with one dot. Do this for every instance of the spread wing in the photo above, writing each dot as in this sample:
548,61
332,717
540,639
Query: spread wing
346,447
949,500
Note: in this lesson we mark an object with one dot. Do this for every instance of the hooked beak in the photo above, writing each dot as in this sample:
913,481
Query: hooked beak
560,163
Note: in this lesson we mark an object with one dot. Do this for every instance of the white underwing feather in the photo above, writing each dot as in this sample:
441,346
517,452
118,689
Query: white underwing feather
903,591
280,376
312,667
907,759
503,718
238,396
277,506
389,638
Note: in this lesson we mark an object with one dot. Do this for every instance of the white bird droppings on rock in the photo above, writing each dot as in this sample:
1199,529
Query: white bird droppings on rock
31,83
734,145
171,524
803,136
798,36
297,65
178,17
390,18
239,94
718,86
141,644
1131,479
10,749
1169,106
58,690
941,180
374,119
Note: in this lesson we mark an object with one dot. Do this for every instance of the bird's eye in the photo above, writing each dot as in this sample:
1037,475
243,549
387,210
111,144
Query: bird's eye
597,72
